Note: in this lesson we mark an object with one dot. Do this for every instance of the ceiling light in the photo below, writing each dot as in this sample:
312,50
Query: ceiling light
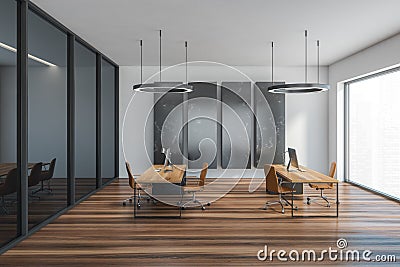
305,87
12,49
160,87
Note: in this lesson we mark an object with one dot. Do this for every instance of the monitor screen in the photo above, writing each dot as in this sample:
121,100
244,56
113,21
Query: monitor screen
293,158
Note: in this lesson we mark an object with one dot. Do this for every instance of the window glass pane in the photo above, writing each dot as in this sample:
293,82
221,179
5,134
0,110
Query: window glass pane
85,120
8,121
47,119
107,121
374,127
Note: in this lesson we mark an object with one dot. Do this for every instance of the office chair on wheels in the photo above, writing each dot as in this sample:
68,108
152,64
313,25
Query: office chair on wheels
8,187
132,185
322,187
274,185
190,189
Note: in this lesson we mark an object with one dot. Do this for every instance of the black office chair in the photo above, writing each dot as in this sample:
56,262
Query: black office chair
8,187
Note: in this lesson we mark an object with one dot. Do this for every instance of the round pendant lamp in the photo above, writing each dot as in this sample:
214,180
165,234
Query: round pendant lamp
297,88
160,87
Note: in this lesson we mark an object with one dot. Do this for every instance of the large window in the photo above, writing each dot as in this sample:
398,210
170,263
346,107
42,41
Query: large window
373,136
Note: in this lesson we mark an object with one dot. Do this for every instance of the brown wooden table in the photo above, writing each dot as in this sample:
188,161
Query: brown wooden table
5,168
158,174
304,177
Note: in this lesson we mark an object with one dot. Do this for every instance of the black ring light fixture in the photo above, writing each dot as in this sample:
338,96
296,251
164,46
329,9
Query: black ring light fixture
301,88
161,87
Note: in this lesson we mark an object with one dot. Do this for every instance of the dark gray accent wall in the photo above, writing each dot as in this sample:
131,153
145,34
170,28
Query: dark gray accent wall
168,125
236,125
202,125
264,130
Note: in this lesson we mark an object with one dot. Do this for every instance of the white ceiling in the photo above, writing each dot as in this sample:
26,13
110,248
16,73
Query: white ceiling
234,32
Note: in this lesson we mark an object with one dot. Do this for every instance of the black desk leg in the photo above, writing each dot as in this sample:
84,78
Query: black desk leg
337,200
134,200
292,199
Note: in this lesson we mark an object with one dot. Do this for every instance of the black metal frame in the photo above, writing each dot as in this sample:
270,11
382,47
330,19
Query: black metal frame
23,231
71,120
22,117
98,120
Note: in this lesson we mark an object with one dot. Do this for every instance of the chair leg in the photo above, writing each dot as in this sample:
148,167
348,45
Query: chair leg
267,204
49,189
194,201
3,206
282,201
311,199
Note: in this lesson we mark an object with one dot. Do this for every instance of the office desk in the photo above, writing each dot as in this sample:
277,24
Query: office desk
309,176
163,180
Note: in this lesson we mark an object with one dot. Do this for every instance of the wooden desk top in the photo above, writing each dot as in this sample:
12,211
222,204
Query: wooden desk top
6,167
309,176
150,176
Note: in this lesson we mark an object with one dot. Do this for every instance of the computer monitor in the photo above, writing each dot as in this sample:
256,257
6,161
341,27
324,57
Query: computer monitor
167,153
293,159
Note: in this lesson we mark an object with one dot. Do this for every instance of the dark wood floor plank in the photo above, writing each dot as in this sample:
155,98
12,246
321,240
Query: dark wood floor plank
101,232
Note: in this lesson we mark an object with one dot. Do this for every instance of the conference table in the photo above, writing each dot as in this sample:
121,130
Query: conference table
165,182
5,168
306,176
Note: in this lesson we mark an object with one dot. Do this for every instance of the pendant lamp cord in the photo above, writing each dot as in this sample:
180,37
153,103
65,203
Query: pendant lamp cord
272,62
160,55
306,50
318,60
186,61
141,61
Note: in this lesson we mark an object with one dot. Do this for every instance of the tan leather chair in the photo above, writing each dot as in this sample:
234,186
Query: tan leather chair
322,187
274,185
132,185
193,189
8,187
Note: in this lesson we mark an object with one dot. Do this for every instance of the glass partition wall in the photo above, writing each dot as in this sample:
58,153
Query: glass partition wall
107,121
8,121
54,96
85,123
47,119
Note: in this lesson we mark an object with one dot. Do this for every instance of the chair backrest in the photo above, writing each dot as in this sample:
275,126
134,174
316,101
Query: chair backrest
35,176
130,175
52,167
203,174
272,179
10,183
332,170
